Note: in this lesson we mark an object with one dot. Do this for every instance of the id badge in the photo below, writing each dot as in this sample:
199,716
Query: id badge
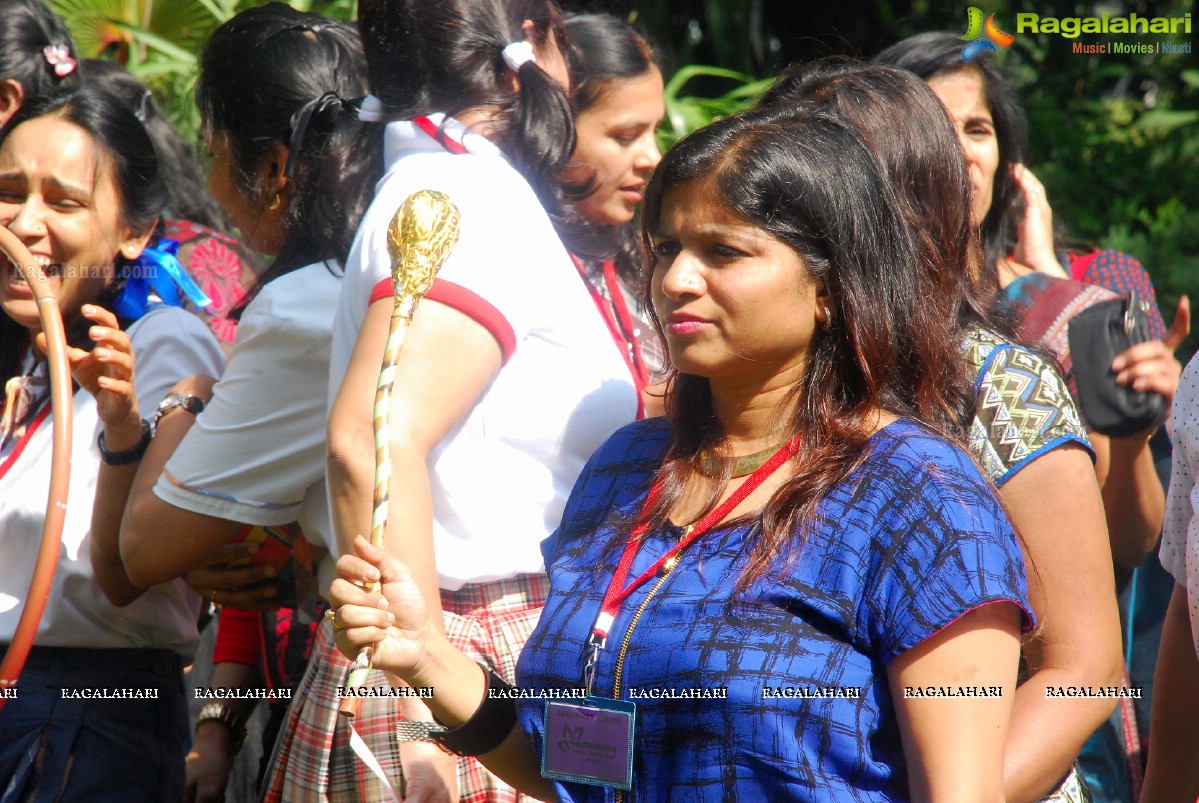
590,743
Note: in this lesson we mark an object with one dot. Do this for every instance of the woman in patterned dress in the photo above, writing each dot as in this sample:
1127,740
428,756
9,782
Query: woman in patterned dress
1023,427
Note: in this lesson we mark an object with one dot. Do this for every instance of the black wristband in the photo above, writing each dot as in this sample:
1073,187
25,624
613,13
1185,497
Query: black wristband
126,456
488,727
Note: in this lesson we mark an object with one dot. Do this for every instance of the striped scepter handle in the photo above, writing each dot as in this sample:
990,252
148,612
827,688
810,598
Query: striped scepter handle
423,232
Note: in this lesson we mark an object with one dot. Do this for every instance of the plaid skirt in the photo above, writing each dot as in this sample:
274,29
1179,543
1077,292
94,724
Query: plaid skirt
313,761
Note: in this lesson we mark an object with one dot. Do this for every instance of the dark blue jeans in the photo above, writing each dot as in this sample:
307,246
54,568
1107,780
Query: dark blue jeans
59,740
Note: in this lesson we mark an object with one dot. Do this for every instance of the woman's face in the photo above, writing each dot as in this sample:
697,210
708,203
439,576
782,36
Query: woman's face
737,304
259,229
616,142
58,195
964,95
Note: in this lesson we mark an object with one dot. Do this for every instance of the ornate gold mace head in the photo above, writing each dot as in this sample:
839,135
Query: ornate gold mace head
420,238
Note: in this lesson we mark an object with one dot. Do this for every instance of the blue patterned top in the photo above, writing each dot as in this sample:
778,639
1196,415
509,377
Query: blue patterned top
911,541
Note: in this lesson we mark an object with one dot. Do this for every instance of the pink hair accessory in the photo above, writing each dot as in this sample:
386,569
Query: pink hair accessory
59,57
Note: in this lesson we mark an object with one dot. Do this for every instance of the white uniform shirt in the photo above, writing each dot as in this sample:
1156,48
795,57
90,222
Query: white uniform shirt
169,344
1180,531
257,452
499,481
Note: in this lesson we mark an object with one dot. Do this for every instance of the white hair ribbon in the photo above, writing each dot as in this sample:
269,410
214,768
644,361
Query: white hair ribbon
371,110
517,54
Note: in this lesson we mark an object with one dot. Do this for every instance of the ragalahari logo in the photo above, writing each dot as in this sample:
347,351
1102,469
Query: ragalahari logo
982,37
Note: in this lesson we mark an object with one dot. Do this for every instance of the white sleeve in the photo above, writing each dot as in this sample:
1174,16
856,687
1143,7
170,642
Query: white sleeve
506,247
1180,529
170,344
259,445
507,250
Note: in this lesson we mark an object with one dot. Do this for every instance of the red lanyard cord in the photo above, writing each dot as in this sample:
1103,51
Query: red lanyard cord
441,135
620,326
615,597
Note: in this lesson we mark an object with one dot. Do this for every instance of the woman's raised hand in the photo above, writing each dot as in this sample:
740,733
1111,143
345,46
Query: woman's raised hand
1034,238
394,623
106,371
1151,366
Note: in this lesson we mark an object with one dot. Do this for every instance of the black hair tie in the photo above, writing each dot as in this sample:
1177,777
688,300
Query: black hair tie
299,126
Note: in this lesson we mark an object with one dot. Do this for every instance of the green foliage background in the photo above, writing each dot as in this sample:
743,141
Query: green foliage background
1115,138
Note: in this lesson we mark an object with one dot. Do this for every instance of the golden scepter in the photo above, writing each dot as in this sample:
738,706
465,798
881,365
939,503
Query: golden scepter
420,238
62,396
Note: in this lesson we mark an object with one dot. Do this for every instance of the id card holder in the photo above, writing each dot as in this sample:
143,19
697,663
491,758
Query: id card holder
590,743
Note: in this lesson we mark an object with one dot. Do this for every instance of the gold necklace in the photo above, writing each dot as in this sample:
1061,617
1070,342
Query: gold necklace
709,464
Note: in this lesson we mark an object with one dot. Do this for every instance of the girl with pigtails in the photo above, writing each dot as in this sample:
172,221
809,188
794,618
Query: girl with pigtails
509,376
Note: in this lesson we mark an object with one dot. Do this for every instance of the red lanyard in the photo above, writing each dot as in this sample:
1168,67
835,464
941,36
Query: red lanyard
441,135
614,597
620,326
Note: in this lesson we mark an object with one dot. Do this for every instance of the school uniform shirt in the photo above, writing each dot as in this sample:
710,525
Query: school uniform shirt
169,344
500,480
1180,530
257,452
779,692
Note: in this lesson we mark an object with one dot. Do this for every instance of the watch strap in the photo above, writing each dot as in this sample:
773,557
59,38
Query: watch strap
489,726
417,731
188,401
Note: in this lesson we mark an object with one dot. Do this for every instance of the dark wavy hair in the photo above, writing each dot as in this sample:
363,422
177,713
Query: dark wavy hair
129,154
29,27
276,76
810,180
940,53
428,56
908,128
181,172
608,50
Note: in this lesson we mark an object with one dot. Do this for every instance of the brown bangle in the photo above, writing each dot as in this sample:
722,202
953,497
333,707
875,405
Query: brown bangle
219,712
488,727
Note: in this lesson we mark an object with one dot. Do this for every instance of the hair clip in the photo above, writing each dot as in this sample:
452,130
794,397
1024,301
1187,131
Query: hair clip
310,27
517,53
143,107
59,57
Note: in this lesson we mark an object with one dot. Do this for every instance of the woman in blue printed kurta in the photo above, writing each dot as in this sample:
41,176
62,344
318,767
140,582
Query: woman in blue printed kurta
904,546
853,551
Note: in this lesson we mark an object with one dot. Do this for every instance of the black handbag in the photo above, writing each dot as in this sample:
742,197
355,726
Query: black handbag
1097,336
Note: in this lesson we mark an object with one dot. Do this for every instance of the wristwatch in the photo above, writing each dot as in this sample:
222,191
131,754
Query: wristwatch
224,714
193,404
414,731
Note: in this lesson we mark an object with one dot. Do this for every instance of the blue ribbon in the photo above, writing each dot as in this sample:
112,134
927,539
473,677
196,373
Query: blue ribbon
159,270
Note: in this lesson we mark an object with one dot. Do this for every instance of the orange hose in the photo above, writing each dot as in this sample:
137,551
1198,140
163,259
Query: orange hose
61,396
